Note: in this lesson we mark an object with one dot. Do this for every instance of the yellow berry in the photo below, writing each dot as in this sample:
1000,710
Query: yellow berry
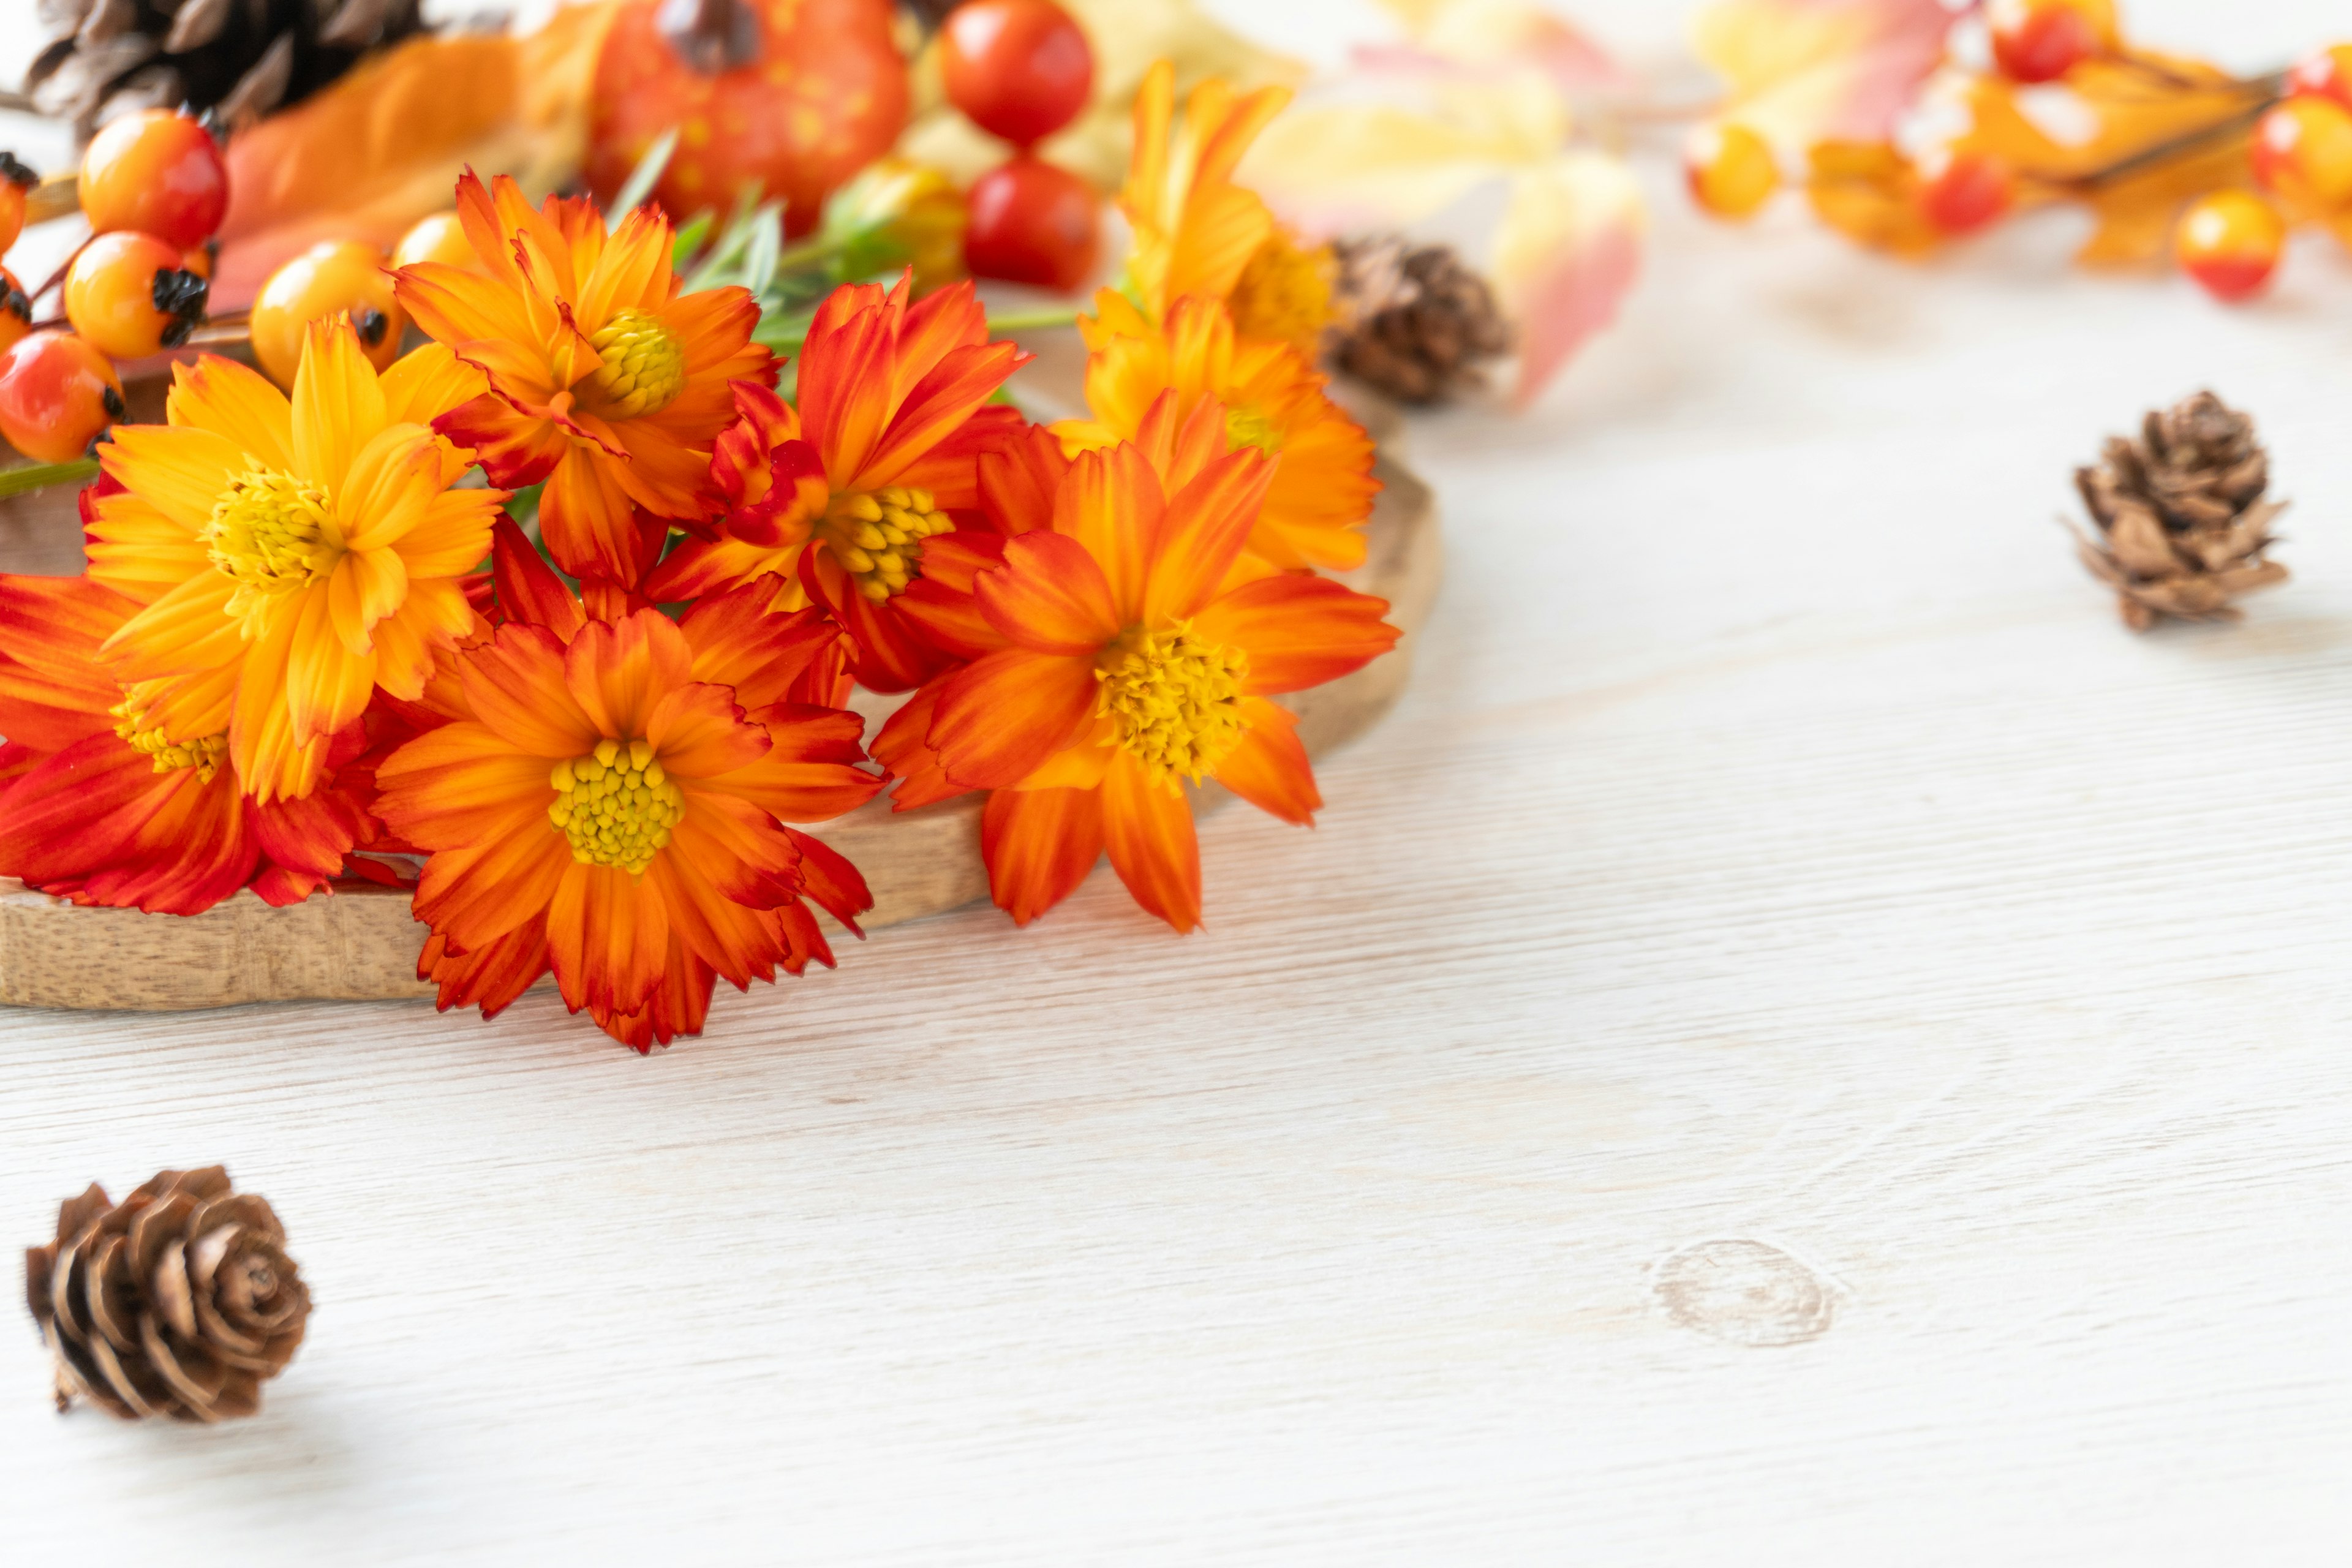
1730,169
331,277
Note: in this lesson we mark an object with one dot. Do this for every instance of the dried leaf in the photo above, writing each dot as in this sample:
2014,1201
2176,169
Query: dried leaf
383,146
1804,71
2128,109
1867,191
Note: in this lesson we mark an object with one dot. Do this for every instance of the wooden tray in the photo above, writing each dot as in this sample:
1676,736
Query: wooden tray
360,944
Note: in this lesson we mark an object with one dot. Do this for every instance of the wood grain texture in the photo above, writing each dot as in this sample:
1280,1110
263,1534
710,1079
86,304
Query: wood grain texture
360,944
1799,1042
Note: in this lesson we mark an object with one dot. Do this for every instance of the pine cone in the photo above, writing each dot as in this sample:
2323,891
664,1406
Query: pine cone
2181,520
176,1301
237,58
1413,321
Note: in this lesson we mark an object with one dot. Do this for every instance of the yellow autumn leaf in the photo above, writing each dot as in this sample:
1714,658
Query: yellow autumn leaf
1802,72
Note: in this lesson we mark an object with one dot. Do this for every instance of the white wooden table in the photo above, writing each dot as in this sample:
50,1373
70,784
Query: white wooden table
1800,1041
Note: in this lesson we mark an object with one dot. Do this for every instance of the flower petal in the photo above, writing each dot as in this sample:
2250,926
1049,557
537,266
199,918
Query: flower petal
1039,845
1147,829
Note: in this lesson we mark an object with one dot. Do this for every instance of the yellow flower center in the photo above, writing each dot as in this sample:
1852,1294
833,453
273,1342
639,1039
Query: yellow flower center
640,364
270,532
1176,700
615,805
1284,294
1249,427
877,536
204,754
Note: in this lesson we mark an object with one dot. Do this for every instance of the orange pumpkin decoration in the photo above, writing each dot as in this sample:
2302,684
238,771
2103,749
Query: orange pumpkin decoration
797,95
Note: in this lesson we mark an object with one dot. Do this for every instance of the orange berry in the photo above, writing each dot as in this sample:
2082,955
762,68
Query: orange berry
1730,169
57,393
2042,40
2327,74
2303,151
2230,242
440,237
16,310
201,259
128,296
156,172
1960,193
17,183
332,276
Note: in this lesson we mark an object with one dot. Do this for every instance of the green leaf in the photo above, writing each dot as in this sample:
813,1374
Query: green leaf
646,174
690,240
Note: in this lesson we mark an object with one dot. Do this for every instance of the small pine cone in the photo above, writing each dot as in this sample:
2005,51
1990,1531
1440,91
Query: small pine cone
237,59
179,1300
1413,322
2182,522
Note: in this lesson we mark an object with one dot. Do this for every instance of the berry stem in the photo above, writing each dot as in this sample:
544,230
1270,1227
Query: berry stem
2147,158
25,478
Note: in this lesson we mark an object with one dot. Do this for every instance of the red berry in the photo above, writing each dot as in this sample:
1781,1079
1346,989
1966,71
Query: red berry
2327,74
1960,193
2303,151
130,295
2230,242
2042,40
57,393
1021,69
1033,223
16,310
17,183
156,172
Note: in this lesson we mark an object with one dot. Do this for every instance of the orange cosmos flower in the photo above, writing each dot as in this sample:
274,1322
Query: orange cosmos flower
605,380
1129,664
609,804
1195,230
840,498
289,558
1274,400
97,805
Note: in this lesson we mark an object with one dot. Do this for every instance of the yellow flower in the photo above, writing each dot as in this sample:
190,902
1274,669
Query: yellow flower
1273,399
289,557
1195,229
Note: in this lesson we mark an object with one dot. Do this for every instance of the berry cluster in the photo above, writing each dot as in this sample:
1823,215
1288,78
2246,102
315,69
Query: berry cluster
2184,157
154,188
1022,69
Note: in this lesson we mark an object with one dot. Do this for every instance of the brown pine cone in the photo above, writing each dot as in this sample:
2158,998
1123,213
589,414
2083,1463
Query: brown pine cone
1413,322
179,1300
2182,524
239,59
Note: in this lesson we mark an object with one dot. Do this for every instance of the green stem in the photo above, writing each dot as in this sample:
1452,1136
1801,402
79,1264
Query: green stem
28,476
1032,321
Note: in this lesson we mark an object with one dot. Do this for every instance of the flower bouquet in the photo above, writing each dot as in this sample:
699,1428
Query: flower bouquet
540,649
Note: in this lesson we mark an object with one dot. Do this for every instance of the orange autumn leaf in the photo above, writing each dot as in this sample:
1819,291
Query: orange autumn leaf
383,147
2130,106
1868,192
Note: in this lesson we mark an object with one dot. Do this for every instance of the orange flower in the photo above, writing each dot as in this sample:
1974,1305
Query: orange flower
1128,665
289,558
96,805
605,380
838,497
1274,400
605,803
1195,229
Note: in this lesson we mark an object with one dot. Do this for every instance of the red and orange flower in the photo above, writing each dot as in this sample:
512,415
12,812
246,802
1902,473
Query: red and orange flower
289,559
607,380
839,498
609,802
97,805
1133,658
1274,400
